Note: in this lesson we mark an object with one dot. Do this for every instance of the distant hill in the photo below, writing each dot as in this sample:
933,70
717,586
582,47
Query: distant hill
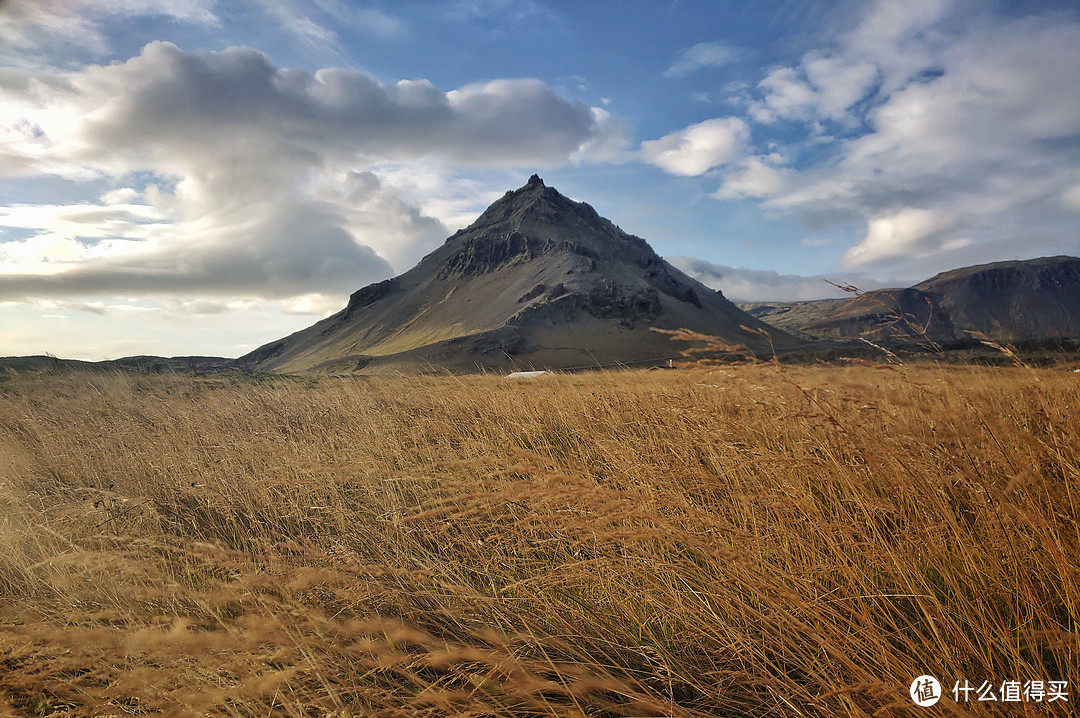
139,364
1013,301
537,281
1032,300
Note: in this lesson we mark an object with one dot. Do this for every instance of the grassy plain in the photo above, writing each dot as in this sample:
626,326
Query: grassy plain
751,540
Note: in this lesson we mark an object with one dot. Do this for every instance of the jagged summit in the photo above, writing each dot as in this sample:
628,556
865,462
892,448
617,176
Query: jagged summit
537,220
535,208
538,280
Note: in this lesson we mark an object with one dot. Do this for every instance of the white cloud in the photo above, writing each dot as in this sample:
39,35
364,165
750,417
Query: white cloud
753,177
756,285
368,19
1070,198
699,57
820,88
173,327
908,233
839,83
311,23
786,95
511,122
512,11
314,304
121,195
295,22
900,37
166,99
263,181
925,111
31,25
378,218
610,142
438,190
698,148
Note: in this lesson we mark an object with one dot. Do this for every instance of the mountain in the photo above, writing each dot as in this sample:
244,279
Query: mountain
1012,301
1037,299
537,281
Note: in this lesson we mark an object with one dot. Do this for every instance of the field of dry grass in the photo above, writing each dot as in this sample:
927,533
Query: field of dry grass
742,541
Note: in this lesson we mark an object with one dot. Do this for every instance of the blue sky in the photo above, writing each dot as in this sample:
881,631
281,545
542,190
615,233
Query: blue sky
203,176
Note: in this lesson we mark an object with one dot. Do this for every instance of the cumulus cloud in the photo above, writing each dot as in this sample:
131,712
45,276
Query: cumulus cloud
701,56
255,180
237,102
822,87
756,285
908,233
378,218
698,148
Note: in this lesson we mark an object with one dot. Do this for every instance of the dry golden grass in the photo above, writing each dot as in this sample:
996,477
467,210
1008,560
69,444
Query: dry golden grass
744,541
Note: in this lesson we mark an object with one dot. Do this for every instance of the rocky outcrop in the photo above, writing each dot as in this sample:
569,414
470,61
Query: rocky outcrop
369,295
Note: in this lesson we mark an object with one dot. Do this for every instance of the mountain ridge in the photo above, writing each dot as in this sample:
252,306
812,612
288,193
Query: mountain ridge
1008,301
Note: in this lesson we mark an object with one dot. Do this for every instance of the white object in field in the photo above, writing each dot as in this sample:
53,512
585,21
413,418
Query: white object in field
525,374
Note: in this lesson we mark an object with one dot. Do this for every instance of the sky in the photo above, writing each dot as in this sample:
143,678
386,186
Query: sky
200,177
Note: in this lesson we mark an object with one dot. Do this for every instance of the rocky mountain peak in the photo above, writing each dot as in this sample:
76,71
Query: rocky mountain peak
535,209
537,278
536,220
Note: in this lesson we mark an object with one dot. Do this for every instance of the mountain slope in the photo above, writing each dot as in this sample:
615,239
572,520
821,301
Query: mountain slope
1012,301
1037,299
537,280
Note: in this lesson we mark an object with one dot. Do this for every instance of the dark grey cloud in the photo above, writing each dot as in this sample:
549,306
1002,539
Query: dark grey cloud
255,180
237,102
292,250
